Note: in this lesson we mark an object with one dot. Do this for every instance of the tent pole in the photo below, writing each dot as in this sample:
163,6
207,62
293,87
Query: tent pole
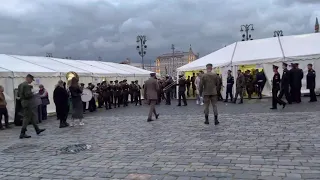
284,57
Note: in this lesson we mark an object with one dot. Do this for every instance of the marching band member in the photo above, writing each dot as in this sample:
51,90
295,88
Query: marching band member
167,84
77,105
137,93
182,90
197,84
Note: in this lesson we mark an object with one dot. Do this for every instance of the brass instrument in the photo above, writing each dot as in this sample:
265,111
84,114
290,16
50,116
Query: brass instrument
71,75
174,83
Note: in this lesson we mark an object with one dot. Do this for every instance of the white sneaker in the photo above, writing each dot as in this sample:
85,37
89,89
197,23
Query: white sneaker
197,102
201,104
71,123
81,123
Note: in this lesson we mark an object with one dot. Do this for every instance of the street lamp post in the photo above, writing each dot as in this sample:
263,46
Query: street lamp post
142,47
246,36
173,64
278,33
49,55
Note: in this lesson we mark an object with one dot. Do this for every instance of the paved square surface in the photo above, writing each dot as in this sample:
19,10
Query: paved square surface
251,142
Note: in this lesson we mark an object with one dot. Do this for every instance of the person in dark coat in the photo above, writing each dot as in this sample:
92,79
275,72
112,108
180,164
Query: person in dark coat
285,83
275,89
296,75
77,106
311,83
182,90
61,100
230,82
260,80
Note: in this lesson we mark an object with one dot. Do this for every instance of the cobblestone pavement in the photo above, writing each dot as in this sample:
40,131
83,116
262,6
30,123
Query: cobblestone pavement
251,142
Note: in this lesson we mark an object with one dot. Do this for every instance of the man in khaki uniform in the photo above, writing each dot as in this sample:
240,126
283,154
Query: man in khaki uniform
208,90
151,87
240,85
26,97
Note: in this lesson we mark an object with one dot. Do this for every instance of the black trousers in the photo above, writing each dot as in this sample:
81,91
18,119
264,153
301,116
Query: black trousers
229,92
4,112
182,96
100,101
313,96
132,96
259,89
285,91
219,94
125,98
137,97
84,104
92,105
188,90
296,94
275,99
107,102
111,97
62,113
194,90
116,101
168,97
249,91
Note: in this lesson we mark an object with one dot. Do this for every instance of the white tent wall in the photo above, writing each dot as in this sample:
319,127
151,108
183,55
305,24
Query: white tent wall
7,83
302,49
219,58
48,71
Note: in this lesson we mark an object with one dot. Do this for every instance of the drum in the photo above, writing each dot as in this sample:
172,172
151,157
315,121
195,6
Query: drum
86,95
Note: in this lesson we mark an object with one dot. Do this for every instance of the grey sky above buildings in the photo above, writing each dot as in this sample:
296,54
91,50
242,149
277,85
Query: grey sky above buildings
86,29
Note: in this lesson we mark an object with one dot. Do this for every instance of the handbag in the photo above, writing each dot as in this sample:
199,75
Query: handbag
45,101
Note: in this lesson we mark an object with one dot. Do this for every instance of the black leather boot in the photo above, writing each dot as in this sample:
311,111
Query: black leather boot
207,119
39,131
23,134
62,124
216,122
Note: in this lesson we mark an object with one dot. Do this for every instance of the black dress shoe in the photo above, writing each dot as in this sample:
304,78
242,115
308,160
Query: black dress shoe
22,136
179,105
273,108
149,120
157,116
40,131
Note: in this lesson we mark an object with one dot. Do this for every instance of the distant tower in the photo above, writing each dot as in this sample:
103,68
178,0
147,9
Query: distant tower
316,26
191,55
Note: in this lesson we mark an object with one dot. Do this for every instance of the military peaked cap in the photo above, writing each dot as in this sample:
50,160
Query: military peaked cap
275,67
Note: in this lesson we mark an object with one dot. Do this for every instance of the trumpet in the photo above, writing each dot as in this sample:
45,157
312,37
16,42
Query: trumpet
170,86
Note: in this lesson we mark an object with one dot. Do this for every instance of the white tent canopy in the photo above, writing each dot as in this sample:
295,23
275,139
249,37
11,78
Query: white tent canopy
222,57
263,53
53,64
48,71
304,46
20,67
257,51
269,50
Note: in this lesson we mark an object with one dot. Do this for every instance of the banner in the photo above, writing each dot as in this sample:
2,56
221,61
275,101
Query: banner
190,73
251,67
217,70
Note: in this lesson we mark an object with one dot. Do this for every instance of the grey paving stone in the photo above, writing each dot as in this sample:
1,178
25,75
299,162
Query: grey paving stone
250,142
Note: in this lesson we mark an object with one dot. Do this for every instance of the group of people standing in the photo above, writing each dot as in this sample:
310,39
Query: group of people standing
109,95
290,84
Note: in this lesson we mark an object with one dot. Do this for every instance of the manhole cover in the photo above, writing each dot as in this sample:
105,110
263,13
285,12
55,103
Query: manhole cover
75,148
21,148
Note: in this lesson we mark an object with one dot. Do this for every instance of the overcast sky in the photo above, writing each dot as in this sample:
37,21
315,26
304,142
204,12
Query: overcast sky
86,29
